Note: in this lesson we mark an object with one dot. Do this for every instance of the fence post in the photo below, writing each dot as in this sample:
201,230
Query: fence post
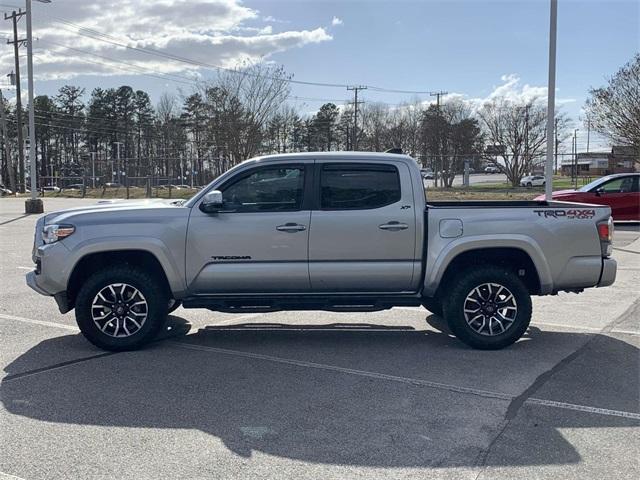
84,186
126,182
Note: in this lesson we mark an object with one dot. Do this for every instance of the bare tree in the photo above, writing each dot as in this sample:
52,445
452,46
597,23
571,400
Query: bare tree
518,133
614,110
260,90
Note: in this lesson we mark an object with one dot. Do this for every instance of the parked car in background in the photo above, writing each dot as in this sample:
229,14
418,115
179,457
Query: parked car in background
532,181
426,174
183,187
74,186
51,188
491,169
620,192
113,185
5,191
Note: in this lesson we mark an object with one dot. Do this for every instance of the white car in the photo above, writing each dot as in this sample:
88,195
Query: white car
51,188
532,181
491,169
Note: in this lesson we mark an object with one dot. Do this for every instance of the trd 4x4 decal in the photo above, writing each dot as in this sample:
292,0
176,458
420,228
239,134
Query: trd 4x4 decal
573,213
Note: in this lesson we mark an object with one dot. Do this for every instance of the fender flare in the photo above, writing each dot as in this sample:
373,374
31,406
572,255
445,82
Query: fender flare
153,246
435,271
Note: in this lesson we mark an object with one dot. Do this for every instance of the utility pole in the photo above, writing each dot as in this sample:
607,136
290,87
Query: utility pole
7,148
356,89
556,144
551,97
588,132
437,172
526,137
117,144
14,17
93,169
575,156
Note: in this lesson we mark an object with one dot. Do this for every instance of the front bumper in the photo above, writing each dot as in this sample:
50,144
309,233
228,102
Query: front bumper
608,275
32,281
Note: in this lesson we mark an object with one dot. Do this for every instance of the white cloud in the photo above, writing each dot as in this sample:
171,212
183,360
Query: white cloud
511,90
214,32
336,21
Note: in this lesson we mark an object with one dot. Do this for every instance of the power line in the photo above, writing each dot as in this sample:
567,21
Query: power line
163,76
100,36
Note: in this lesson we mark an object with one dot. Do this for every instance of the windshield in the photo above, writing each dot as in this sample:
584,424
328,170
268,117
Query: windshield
595,183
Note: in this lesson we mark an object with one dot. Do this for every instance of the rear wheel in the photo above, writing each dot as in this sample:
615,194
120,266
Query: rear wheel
488,307
529,185
121,308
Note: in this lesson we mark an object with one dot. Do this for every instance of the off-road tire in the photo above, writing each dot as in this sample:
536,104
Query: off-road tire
155,295
461,287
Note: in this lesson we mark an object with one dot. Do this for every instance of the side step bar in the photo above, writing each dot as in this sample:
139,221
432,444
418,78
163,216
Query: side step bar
264,304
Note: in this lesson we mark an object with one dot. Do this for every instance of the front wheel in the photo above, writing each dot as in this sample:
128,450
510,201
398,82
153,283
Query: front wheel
488,308
121,308
529,185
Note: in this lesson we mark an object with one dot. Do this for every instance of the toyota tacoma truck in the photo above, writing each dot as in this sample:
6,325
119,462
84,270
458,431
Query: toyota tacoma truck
346,232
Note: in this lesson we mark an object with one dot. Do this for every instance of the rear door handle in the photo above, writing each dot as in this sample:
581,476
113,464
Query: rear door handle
291,227
393,226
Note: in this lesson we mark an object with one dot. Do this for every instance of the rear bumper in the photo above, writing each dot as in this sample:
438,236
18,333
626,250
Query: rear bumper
608,275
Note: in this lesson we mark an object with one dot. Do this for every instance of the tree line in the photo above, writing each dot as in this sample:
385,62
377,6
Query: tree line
113,133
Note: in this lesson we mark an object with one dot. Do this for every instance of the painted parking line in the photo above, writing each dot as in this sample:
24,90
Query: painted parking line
335,368
39,322
6,476
582,408
584,328
351,371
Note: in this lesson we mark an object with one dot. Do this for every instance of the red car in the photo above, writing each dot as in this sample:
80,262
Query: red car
619,191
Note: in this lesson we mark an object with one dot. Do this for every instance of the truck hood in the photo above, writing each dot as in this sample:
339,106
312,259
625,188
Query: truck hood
111,206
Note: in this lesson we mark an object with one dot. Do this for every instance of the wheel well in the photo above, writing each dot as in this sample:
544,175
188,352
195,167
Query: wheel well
96,261
514,259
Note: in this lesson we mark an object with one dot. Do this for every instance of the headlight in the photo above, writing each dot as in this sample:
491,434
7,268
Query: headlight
53,233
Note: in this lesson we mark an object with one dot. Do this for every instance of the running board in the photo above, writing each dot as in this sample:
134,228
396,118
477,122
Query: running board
264,304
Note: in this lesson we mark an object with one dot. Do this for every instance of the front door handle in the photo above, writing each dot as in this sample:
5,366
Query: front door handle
393,226
291,227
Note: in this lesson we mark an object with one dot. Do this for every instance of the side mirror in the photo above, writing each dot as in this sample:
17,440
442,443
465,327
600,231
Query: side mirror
212,202
599,192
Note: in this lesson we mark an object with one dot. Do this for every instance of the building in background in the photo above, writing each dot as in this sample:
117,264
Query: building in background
619,160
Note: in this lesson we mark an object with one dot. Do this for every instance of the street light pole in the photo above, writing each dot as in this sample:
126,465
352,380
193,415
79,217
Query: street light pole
34,204
551,99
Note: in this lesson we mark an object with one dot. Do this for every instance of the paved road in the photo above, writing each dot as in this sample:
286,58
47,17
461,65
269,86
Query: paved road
397,397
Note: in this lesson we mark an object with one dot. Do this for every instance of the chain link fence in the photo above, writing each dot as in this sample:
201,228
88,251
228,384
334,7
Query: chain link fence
127,187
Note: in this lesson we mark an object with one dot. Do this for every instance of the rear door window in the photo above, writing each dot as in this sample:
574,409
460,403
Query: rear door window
358,186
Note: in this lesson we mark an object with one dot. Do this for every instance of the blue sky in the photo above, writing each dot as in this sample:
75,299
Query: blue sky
473,48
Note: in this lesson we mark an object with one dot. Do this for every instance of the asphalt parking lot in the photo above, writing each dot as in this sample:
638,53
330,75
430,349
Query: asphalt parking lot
319,395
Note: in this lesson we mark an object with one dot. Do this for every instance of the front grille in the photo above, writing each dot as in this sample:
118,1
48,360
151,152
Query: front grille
38,267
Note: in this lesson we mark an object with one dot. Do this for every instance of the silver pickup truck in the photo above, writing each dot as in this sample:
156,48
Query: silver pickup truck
318,231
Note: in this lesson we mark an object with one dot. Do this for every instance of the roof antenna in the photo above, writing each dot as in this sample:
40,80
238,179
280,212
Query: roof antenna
396,150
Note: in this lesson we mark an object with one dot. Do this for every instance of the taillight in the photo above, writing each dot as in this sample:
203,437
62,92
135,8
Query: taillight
605,232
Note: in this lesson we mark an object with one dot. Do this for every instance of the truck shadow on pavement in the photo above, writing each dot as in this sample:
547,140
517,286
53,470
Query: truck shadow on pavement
315,414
